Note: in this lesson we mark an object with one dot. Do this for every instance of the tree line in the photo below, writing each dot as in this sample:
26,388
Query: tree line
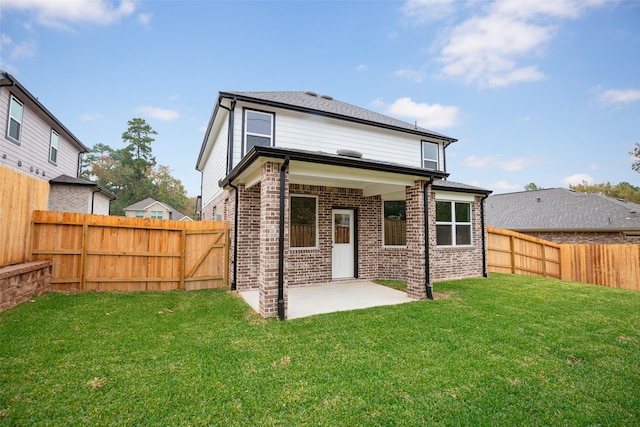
132,173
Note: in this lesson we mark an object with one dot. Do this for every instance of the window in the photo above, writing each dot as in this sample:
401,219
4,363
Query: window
53,147
258,129
156,214
430,155
395,222
139,214
453,223
303,230
14,128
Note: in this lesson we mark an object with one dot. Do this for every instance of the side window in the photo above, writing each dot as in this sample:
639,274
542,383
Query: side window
430,155
14,128
53,147
303,230
156,214
139,214
453,223
258,129
395,222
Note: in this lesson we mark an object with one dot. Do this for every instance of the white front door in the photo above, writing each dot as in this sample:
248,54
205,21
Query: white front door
342,254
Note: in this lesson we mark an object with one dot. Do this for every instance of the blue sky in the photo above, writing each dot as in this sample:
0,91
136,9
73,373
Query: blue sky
534,91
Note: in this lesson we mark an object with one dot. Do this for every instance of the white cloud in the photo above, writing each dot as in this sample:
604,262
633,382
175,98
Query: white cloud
377,103
503,185
145,18
158,113
59,14
422,11
174,97
577,179
427,115
26,49
495,161
415,76
362,67
488,48
620,96
90,117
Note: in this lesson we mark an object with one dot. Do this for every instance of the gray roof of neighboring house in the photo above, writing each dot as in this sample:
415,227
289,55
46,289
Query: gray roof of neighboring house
144,204
311,102
15,83
69,180
457,186
560,209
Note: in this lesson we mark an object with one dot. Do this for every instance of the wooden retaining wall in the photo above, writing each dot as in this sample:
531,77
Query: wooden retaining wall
106,253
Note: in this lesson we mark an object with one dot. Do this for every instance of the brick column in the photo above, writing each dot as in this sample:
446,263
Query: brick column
415,241
269,239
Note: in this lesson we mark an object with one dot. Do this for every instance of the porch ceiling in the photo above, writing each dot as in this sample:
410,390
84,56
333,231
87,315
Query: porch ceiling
372,183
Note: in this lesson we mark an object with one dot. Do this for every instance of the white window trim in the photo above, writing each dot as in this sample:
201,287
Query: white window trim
383,239
246,130
436,160
453,224
9,117
51,147
301,248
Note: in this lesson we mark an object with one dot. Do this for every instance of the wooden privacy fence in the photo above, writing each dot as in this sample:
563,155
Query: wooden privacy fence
615,266
20,195
95,252
516,253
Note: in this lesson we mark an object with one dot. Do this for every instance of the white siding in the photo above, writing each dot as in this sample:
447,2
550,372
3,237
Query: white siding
215,167
33,150
316,133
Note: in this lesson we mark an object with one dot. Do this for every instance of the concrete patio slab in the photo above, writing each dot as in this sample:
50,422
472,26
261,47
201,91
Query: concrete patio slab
334,296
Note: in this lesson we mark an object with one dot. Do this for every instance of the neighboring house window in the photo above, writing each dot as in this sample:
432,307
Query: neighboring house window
395,222
258,129
14,129
139,214
156,214
303,230
53,148
453,223
430,155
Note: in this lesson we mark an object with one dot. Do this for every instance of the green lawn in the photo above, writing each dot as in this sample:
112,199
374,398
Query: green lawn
502,351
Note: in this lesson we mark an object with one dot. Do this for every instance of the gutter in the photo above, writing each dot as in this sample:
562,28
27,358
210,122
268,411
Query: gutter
427,272
283,176
485,273
235,239
230,125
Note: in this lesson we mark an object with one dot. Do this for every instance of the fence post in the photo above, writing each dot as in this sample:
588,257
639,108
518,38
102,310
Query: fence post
83,256
183,251
512,247
544,260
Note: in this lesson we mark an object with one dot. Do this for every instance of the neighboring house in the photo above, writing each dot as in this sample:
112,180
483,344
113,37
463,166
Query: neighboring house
36,143
68,194
150,208
566,216
318,190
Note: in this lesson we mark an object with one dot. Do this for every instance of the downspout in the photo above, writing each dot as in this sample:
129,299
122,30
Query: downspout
283,176
235,238
427,273
230,132
485,273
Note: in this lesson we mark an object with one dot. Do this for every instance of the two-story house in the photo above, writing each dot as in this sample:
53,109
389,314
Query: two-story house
318,190
36,143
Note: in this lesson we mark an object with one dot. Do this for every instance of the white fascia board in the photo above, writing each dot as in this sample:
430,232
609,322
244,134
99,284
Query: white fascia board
454,196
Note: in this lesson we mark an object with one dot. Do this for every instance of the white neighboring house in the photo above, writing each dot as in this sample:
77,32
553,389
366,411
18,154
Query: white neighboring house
319,190
150,208
36,143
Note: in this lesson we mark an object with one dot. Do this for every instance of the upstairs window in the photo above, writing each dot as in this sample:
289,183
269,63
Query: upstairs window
14,128
453,223
53,147
258,129
303,230
395,222
430,155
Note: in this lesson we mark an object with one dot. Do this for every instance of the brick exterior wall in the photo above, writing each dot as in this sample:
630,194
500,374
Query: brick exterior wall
69,198
20,282
415,275
583,237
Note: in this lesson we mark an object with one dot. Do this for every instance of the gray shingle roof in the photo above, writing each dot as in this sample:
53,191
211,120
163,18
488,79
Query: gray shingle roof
559,209
309,101
69,180
458,186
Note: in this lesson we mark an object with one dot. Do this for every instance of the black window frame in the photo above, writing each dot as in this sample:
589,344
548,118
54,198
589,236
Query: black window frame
454,223
245,131
423,159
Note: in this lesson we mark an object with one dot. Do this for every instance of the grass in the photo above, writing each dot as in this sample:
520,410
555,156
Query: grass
506,350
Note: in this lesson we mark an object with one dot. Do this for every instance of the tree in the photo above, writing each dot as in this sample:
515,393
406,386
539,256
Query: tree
131,173
623,191
635,152
532,186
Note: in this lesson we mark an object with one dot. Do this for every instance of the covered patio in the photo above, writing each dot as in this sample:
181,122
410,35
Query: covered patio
309,300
